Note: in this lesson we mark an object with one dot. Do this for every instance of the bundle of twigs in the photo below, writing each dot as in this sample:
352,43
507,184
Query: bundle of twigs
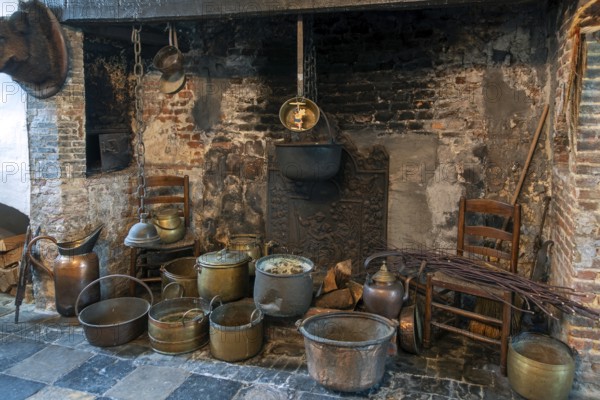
545,297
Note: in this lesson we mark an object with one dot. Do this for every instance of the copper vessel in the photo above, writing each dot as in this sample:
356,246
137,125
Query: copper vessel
75,267
384,293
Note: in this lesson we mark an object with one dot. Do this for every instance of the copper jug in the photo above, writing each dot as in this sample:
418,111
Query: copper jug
384,293
75,267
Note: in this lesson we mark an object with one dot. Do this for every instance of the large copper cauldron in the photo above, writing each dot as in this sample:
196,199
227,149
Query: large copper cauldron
346,351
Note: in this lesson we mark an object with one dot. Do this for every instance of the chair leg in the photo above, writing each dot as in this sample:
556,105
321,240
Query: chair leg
428,307
506,329
132,270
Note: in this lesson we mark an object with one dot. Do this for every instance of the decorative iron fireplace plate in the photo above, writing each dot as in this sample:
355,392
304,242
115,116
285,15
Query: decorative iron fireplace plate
335,220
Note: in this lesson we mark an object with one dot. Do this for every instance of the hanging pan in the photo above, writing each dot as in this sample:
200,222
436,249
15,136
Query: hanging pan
169,61
305,161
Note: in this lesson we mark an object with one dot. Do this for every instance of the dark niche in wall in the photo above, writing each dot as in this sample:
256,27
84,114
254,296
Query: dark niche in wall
108,103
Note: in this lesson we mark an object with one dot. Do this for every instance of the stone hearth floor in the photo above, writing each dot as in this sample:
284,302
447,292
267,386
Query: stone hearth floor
46,356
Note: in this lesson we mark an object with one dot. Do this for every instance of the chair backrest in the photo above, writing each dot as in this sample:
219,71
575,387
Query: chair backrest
471,238
169,189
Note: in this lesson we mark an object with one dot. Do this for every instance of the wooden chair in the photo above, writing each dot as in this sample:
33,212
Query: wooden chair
161,190
471,240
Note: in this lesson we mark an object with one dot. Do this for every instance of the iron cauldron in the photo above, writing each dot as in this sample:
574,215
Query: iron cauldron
283,285
113,322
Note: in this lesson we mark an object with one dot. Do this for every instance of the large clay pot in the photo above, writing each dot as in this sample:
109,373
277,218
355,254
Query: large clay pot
75,268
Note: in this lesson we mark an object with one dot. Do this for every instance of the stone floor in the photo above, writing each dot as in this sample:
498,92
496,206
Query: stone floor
46,356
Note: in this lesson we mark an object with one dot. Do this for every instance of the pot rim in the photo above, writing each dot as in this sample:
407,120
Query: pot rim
186,301
120,323
535,337
254,322
353,314
305,260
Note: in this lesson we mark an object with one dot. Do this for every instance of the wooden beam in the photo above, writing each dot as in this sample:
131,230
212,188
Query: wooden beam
173,10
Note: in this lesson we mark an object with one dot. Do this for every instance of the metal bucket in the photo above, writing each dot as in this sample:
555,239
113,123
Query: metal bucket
183,272
346,351
113,322
177,326
236,331
540,367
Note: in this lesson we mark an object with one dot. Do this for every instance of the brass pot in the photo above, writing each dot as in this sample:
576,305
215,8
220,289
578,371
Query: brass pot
169,225
251,244
183,272
223,273
540,367
177,326
236,331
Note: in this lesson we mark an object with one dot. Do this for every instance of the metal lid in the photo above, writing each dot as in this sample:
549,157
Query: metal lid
384,275
142,234
224,258
244,239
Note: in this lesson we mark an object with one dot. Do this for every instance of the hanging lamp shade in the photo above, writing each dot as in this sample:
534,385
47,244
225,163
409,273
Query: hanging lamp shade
142,234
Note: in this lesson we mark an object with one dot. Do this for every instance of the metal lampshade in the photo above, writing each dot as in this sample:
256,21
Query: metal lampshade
142,234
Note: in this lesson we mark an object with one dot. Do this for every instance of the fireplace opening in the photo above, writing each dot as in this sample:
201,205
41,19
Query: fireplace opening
108,103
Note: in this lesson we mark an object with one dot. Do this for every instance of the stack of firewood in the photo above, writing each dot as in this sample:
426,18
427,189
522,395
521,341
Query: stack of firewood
338,290
11,249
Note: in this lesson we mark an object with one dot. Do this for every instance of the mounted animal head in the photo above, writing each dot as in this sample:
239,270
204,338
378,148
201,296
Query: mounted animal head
33,50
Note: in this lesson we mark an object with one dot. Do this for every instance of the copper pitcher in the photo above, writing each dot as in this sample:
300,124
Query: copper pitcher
75,267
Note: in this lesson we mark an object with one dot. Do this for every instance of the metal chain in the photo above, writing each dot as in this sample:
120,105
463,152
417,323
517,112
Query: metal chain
138,71
310,61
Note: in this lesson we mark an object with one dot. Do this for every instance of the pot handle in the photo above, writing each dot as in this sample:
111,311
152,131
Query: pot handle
260,314
198,317
217,297
155,222
298,324
35,262
107,277
180,291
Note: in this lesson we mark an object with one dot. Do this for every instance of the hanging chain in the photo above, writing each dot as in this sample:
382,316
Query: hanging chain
138,71
310,61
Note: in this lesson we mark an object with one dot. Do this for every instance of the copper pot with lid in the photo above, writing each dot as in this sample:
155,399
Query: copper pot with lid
223,273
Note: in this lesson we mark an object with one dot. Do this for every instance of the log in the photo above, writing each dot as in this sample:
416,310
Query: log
340,299
9,278
329,284
343,273
356,290
12,242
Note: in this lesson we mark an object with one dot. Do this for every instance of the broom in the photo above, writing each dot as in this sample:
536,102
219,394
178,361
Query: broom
490,307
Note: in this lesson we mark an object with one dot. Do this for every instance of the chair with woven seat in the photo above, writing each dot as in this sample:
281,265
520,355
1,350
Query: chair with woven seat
477,239
172,191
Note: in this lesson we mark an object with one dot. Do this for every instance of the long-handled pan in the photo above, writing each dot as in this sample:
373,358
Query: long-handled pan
411,322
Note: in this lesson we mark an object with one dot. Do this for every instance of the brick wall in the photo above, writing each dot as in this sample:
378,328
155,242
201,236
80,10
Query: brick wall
577,208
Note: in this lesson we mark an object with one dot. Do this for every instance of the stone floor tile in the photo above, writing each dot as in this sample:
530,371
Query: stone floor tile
13,388
14,349
57,393
205,387
70,339
148,382
262,392
161,360
49,364
97,375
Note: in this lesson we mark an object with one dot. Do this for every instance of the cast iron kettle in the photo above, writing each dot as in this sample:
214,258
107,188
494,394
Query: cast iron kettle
384,293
